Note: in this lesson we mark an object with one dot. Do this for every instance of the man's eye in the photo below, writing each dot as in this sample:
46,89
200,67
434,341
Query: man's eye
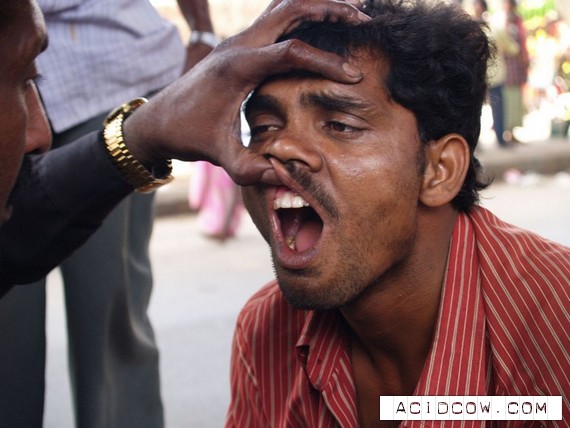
257,130
341,127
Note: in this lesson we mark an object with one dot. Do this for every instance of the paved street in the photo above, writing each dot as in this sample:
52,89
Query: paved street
200,286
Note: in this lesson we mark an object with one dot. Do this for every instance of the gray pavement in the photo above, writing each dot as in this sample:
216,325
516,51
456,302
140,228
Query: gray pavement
540,157
200,285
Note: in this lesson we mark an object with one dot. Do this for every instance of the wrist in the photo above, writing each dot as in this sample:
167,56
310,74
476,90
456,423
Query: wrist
143,176
206,37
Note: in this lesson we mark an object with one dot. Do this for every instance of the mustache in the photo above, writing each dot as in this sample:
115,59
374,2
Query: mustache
305,181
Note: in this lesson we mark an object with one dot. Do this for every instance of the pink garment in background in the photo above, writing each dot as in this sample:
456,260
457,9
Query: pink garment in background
217,199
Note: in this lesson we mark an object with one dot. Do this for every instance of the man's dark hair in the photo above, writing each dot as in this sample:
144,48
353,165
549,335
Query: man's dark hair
437,58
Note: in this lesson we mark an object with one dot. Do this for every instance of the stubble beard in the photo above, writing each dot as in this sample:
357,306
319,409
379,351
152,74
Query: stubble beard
351,279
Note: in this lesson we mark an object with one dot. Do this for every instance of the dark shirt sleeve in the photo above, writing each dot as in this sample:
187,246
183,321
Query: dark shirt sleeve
61,198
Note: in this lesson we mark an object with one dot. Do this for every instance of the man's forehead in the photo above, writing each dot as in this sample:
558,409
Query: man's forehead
36,24
19,13
310,89
268,95
24,34
373,64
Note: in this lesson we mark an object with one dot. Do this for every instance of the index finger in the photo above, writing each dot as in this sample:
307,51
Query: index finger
294,55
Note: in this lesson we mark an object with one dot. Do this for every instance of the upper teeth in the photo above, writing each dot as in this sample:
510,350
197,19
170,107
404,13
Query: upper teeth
289,200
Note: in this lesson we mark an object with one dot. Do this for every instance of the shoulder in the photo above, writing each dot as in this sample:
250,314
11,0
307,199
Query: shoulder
515,251
525,282
522,273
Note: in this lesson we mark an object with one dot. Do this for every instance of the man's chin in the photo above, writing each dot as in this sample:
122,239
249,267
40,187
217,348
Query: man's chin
309,300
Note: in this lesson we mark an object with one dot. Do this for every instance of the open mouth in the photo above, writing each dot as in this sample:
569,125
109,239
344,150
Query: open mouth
301,226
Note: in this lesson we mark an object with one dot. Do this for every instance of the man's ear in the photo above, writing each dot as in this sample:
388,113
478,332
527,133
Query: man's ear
447,162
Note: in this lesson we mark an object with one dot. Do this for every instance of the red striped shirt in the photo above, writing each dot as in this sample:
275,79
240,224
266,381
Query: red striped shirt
503,329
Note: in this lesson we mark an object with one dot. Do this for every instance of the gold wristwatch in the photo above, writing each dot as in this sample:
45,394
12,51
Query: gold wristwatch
132,170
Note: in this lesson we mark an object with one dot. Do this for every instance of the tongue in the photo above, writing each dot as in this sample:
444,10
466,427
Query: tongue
307,236
301,227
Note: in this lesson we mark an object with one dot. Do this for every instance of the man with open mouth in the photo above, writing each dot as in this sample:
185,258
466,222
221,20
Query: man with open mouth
390,279
51,201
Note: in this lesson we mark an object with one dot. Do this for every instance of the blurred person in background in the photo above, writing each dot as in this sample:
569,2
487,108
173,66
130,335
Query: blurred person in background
517,65
561,121
497,72
217,199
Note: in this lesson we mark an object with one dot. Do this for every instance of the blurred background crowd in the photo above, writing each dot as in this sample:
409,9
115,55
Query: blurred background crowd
546,89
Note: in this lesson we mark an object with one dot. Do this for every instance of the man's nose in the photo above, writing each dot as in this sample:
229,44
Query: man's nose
296,147
38,132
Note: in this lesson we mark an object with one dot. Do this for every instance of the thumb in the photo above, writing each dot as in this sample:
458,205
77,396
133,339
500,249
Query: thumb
249,168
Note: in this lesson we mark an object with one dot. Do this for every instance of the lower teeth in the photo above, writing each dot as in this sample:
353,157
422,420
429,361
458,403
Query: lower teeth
291,242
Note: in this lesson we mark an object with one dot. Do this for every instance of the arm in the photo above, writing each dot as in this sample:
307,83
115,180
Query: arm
197,117
197,16
68,191
60,199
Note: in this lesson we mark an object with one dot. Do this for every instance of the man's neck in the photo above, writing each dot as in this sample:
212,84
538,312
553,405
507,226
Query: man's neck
393,322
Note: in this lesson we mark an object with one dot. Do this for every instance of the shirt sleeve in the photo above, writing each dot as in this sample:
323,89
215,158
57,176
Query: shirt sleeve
60,198
55,6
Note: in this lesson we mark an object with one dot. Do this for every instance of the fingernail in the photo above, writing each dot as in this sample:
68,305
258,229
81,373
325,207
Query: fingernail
363,17
351,70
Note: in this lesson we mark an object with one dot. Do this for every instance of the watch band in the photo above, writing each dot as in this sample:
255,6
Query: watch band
206,37
132,170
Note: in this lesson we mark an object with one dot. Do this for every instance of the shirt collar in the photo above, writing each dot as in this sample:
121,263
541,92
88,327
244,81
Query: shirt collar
322,345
